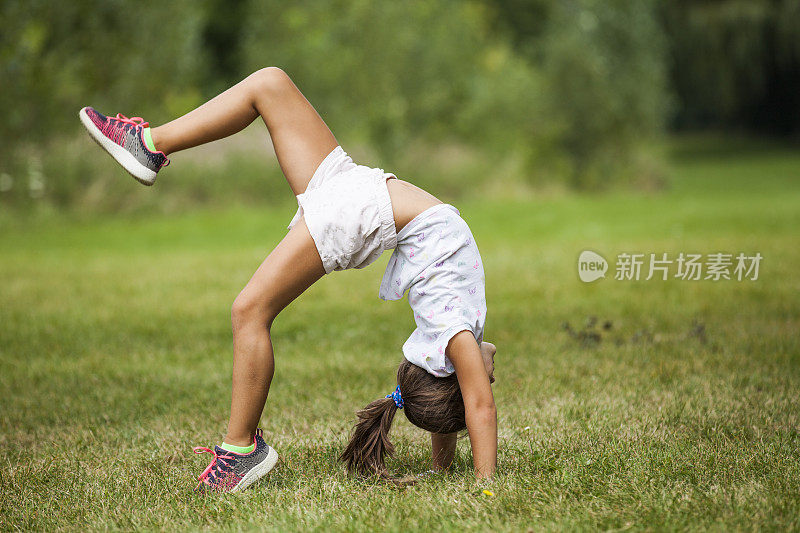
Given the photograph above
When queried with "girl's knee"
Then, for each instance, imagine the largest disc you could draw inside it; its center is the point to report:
(270, 80)
(248, 310)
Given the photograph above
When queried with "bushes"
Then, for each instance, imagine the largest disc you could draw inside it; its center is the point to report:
(59, 56)
(575, 100)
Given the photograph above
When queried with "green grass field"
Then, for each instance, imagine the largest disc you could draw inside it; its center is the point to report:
(115, 348)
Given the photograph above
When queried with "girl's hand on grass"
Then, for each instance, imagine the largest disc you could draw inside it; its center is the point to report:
(443, 450)
(479, 408)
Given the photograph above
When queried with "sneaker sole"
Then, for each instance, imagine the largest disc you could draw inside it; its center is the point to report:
(258, 471)
(141, 173)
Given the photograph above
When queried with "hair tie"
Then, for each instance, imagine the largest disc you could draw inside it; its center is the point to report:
(397, 397)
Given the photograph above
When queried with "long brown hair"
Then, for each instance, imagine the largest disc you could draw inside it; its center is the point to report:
(431, 403)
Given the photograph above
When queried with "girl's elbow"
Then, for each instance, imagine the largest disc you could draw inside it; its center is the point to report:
(483, 410)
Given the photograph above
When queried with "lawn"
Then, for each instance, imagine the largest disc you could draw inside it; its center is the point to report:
(671, 405)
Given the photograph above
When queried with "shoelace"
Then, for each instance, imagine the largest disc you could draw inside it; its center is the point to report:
(133, 121)
(209, 471)
(117, 133)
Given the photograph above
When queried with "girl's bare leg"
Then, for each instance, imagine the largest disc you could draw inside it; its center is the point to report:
(300, 137)
(301, 140)
(292, 267)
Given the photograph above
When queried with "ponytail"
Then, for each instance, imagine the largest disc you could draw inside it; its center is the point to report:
(431, 403)
(370, 443)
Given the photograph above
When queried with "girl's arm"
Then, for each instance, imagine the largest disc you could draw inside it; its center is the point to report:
(443, 449)
(480, 411)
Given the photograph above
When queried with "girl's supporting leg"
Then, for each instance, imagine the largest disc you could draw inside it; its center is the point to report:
(300, 136)
(292, 267)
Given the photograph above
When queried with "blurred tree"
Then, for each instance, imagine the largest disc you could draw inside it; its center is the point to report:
(136, 57)
(589, 92)
(735, 63)
(382, 71)
(525, 20)
(604, 82)
(222, 37)
(574, 89)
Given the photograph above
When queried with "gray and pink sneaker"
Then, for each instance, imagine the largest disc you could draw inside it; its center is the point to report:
(123, 139)
(232, 472)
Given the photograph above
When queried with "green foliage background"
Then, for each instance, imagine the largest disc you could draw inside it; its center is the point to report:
(462, 97)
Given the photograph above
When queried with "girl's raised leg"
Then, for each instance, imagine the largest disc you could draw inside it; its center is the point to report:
(300, 136)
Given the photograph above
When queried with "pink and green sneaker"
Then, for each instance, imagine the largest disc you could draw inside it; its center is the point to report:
(232, 472)
(126, 140)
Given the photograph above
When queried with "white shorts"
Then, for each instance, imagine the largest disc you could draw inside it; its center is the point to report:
(348, 212)
(438, 262)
